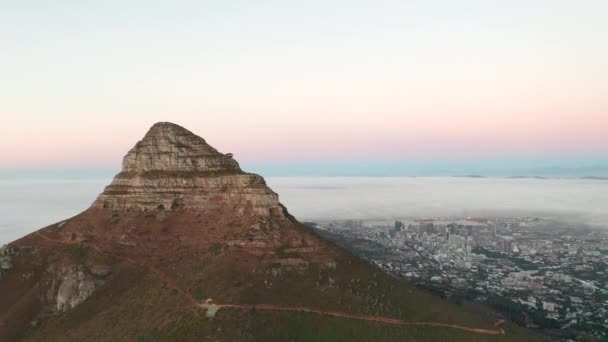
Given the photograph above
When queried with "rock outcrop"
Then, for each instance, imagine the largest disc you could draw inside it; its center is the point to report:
(75, 287)
(6, 259)
(171, 168)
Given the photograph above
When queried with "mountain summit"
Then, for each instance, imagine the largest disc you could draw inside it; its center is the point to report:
(168, 147)
(184, 245)
(172, 168)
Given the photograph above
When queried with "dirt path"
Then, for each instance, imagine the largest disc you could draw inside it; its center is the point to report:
(208, 304)
(369, 318)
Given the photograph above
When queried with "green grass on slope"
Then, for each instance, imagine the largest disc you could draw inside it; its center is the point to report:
(137, 308)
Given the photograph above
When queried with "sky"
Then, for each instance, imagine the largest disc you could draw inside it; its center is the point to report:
(308, 84)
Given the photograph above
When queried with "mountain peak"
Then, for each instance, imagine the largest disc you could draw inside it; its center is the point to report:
(170, 147)
(172, 168)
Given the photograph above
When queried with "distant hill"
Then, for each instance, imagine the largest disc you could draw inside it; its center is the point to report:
(595, 178)
(533, 177)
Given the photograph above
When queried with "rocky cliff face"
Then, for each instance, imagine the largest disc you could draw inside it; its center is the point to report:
(6, 259)
(171, 168)
(75, 287)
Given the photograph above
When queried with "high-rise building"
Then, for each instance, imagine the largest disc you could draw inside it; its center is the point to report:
(399, 226)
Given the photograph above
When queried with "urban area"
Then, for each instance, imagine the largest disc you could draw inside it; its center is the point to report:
(540, 273)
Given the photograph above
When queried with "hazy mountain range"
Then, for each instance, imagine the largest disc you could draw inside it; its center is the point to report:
(587, 169)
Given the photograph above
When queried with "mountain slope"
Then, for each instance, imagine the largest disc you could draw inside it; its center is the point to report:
(184, 245)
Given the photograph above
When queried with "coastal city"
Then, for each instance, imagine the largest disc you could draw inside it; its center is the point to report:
(540, 273)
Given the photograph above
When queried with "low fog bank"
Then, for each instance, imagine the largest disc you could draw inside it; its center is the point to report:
(569, 200)
(26, 206)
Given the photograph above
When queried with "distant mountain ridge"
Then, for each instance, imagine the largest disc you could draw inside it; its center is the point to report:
(335, 169)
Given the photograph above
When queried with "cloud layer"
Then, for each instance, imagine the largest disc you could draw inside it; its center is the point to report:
(27, 206)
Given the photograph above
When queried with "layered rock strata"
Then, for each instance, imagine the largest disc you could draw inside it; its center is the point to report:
(171, 168)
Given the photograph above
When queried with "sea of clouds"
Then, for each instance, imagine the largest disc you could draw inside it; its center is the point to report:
(26, 206)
